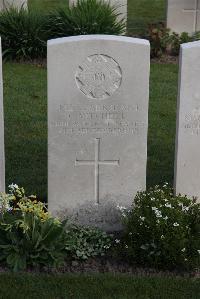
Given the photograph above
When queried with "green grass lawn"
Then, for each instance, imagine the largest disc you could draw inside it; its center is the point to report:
(144, 12)
(102, 286)
(26, 125)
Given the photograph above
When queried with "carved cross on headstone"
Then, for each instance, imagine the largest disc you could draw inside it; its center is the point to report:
(96, 163)
(195, 11)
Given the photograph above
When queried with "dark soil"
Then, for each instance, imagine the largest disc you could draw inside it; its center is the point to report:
(106, 265)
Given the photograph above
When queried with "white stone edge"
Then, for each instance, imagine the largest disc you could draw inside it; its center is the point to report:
(97, 37)
(191, 45)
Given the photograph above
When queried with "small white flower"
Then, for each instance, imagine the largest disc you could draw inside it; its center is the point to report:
(168, 205)
(185, 209)
(162, 237)
(106, 246)
(117, 241)
(13, 187)
(165, 218)
(198, 251)
(121, 208)
(130, 234)
(144, 247)
(154, 209)
(183, 250)
(176, 224)
(142, 218)
(126, 246)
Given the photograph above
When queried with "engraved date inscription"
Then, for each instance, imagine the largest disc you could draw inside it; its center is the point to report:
(98, 119)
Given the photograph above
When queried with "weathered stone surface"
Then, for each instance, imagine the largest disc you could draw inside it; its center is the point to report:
(97, 115)
(5, 4)
(187, 166)
(121, 4)
(183, 15)
(2, 158)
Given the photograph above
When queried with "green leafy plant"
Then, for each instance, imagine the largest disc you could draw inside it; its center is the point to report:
(157, 35)
(165, 42)
(22, 33)
(163, 230)
(86, 17)
(85, 242)
(29, 236)
(174, 40)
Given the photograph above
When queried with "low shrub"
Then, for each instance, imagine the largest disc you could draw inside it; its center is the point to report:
(86, 17)
(85, 242)
(165, 42)
(157, 35)
(22, 33)
(29, 236)
(162, 230)
(175, 40)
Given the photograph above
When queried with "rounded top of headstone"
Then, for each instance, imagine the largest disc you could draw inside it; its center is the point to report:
(97, 37)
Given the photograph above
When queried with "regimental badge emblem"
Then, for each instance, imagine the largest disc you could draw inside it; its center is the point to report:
(98, 77)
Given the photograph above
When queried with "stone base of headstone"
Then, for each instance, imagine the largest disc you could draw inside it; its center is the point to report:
(106, 216)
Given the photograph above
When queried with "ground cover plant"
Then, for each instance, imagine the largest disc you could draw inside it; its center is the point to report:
(162, 230)
(29, 236)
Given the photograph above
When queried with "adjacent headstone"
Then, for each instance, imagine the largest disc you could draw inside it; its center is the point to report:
(120, 4)
(97, 117)
(187, 166)
(2, 157)
(6, 4)
(183, 15)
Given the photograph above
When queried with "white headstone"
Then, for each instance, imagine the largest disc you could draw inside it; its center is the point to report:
(187, 167)
(97, 118)
(6, 4)
(120, 4)
(183, 15)
(2, 157)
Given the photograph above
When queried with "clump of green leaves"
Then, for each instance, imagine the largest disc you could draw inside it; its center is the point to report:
(163, 230)
(86, 17)
(22, 33)
(29, 236)
(85, 242)
(157, 35)
(163, 41)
